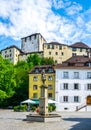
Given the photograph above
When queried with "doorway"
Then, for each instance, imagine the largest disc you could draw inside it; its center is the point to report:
(88, 100)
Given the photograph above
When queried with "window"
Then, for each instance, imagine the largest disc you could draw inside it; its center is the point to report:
(76, 75)
(35, 95)
(65, 75)
(88, 75)
(49, 95)
(5, 51)
(73, 54)
(88, 86)
(50, 70)
(76, 86)
(62, 53)
(49, 77)
(36, 70)
(49, 52)
(80, 49)
(52, 46)
(73, 49)
(76, 99)
(65, 98)
(25, 39)
(34, 36)
(56, 53)
(48, 47)
(60, 47)
(49, 87)
(35, 78)
(10, 50)
(34, 87)
(30, 38)
(10, 55)
(65, 86)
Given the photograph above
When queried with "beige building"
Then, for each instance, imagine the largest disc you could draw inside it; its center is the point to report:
(11, 53)
(61, 52)
(32, 43)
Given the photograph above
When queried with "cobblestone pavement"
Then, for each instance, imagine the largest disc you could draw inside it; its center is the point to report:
(10, 120)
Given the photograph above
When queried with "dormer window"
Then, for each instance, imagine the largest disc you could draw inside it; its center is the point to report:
(50, 70)
(36, 70)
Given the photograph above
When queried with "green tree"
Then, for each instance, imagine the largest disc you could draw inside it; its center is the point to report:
(34, 59)
(21, 77)
(47, 61)
(7, 82)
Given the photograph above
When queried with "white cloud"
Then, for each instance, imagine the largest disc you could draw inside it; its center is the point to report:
(31, 16)
(73, 9)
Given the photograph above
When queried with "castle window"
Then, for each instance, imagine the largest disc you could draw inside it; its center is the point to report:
(73, 49)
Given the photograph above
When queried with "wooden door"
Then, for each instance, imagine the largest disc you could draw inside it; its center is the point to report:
(89, 100)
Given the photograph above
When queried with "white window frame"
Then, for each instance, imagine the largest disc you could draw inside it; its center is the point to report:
(76, 99)
(88, 75)
(76, 75)
(65, 75)
(65, 99)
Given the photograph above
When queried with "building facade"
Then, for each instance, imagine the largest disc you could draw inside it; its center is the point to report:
(35, 81)
(11, 53)
(32, 43)
(61, 52)
(73, 84)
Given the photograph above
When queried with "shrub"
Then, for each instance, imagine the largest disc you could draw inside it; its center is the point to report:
(49, 108)
(20, 108)
(53, 107)
(33, 108)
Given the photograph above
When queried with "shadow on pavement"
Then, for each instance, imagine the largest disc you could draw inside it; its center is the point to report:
(81, 123)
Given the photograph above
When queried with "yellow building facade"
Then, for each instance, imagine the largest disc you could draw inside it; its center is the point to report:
(35, 81)
(61, 52)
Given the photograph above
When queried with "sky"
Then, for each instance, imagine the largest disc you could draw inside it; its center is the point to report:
(63, 21)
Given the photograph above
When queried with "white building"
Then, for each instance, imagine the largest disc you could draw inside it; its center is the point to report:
(11, 53)
(32, 43)
(73, 84)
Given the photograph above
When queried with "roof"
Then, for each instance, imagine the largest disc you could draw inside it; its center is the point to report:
(33, 35)
(56, 43)
(12, 46)
(43, 67)
(79, 62)
(75, 59)
(80, 45)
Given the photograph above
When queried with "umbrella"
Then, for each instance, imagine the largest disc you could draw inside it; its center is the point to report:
(29, 101)
(50, 101)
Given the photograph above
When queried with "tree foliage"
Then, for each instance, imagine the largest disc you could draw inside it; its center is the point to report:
(7, 82)
(14, 79)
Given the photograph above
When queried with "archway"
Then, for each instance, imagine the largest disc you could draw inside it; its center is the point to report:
(88, 101)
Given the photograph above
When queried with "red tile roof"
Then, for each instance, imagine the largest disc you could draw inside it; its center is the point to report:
(80, 45)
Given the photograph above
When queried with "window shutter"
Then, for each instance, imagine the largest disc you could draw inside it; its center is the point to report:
(61, 86)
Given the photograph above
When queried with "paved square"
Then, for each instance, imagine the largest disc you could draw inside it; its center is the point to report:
(10, 120)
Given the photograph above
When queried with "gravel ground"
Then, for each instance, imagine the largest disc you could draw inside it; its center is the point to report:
(10, 120)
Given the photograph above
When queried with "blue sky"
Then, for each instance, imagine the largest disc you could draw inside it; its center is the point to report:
(64, 21)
